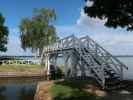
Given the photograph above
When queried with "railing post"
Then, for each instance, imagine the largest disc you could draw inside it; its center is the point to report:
(121, 73)
(103, 80)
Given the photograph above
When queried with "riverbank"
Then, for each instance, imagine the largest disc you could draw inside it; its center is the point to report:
(81, 90)
(21, 70)
(68, 90)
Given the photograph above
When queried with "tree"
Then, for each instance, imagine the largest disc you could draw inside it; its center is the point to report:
(38, 31)
(3, 34)
(116, 13)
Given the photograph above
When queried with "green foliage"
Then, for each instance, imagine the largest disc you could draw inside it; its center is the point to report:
(3, 34)
(38, 31)
(116, 12)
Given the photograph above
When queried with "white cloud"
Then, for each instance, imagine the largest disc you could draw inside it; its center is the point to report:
(14, 44)
(89, 3)
(85, 21)
(64, 31)
(114, 41)
(117, 41)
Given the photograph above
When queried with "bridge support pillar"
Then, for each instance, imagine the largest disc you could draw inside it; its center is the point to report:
(53, 60)
(50, 60)
(47, 64)
(70, 64)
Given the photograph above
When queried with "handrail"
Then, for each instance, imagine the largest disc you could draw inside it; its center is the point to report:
(72, 42)
(95, 67)
(123, 65)
(61, 46)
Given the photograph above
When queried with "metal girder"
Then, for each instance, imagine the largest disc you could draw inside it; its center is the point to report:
(85, 53)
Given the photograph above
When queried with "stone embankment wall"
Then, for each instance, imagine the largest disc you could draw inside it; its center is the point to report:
(42, 92)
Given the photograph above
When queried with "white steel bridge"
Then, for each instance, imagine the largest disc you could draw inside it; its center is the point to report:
(83, 57)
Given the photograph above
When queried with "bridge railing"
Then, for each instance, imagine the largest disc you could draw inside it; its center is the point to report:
(98, 69)
(65, 43)
(95, 56)
(103, 56)
(70, 42)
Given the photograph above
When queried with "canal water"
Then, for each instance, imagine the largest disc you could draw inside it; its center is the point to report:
(127, 60)
(18, 88)
(25, 88)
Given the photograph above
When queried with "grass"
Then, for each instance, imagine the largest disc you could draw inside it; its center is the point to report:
(19, 68)
(71, 90)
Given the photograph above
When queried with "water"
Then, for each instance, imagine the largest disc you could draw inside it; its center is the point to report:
(127, 60)
(24, 88)
(128, 74)
(18, 88)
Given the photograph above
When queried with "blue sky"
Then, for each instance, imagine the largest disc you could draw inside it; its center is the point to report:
(70, 20)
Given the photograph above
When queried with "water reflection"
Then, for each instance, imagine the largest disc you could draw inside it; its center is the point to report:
(25, 94)
(18, 88)
(2, 95)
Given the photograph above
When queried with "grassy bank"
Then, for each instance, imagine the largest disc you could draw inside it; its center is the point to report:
(71, 90)
(81, 90)
(20, 68)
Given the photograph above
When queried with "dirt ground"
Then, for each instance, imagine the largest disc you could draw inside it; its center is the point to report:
(42, 92)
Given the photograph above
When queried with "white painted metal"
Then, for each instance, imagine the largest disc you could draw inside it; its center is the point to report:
(91, 54)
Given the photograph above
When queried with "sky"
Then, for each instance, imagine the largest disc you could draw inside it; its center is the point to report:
(71, 19)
